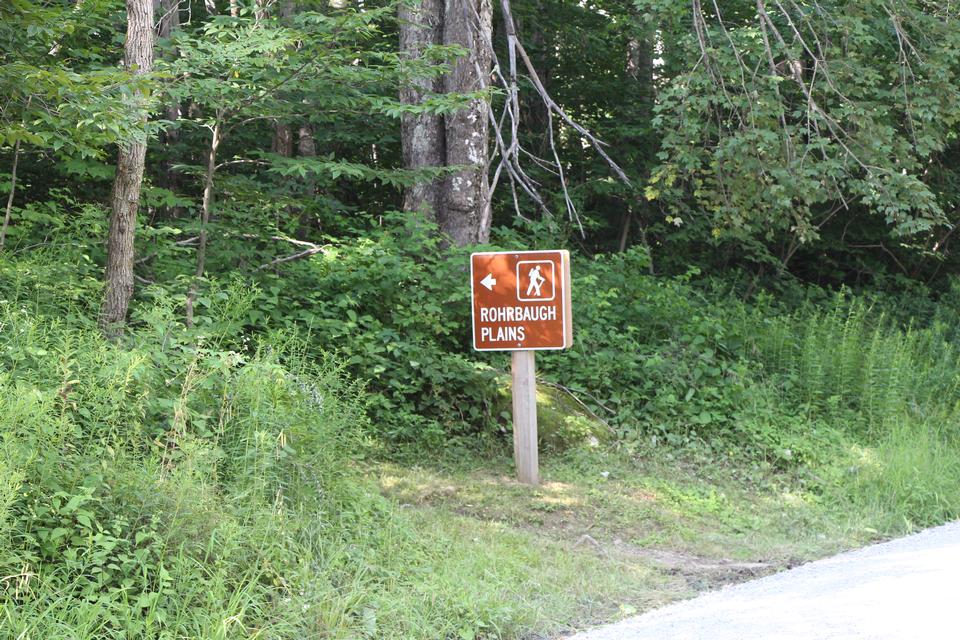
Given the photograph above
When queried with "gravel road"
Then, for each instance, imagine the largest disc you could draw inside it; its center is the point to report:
(904, 589)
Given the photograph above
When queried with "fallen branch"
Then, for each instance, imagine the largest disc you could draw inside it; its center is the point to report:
(311, 249)
(296, 256)
(570, 393)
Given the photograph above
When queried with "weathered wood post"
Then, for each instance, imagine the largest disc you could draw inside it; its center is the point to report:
(525, 454)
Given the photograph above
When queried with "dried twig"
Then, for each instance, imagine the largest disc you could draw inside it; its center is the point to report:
(506, 129)
(592, 413)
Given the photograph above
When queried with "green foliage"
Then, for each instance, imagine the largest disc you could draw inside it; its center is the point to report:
(202, 481)
(174, 487)
(394, 309)
(890, 391)
(160, 488)
(72, 106)
(665, 362)
(776, 149)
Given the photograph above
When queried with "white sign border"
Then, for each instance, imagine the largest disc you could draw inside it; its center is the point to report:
(563, 300)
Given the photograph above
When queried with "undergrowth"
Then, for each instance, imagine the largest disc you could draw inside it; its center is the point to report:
(191, 484)
(200, 482)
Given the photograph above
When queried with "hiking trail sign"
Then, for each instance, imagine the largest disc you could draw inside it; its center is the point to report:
(521, 303)
(521, 300)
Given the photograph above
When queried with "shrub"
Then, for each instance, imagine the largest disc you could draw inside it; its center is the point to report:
(160, 488)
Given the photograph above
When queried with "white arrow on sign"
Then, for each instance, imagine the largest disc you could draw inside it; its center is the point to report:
(489, 281)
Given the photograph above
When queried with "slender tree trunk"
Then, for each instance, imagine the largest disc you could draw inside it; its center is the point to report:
(205, 207)
(55, 49)
(422, 135)
(125, 198)
(537, 116)
(282, 142)
(168, 178)
(464, 215)
(306, 148)
(261, 9)
(13, 189)
(13, 180)
(625, 230)
(640, 69)
(169, 17)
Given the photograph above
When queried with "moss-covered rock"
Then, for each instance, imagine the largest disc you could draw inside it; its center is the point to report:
(562, 422)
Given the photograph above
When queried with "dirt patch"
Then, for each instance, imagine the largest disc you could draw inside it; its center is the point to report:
(672, 529)
(700, 572)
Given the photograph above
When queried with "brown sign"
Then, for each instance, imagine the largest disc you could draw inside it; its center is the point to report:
(521, 300)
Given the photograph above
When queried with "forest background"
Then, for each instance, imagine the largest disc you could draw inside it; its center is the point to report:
(234, 320)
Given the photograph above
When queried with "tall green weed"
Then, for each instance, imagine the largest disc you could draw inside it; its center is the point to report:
(160, 487)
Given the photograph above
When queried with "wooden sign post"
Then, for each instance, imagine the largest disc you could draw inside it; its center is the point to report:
(525, 453)
(521, 303)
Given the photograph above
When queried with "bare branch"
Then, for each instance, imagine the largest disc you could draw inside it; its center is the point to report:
(310, 250)
(506, 128)
(296, 256)
(240, 161)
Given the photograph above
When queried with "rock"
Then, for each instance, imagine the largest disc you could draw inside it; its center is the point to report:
(562, 422)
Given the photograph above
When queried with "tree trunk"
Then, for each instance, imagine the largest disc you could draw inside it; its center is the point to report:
(306, 144)
(536, 112)
(125, 198)
(13, 190)
(55, 49)
(282, 140)
(307, 148)
(422, 135)
(169, 17)
(625, 230)
(458, 203)
(464, 216)
(639, 67)
(168, 178)
(205, 208)
(261, 9)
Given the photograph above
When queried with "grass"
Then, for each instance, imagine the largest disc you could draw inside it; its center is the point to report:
(500, 581)
(186, 492)
(674, 527)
